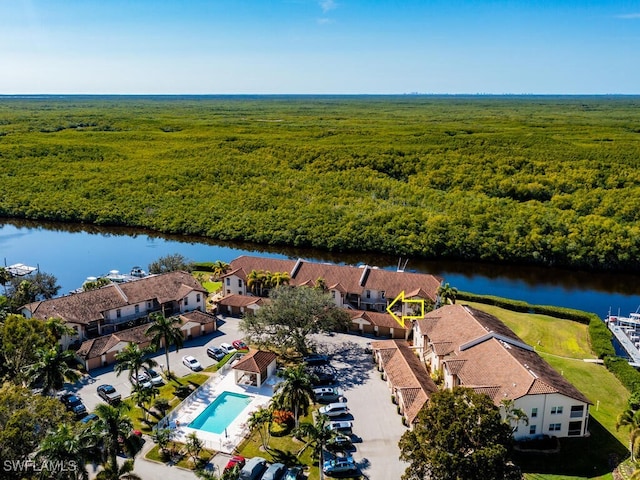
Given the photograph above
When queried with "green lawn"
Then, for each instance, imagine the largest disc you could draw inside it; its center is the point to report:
(564, 344)
(205, 279)
(166, 391)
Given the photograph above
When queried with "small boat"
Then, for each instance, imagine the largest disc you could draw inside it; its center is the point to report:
(137, 272)
(626, 331)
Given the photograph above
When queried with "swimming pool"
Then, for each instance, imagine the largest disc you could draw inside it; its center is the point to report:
(224, 410)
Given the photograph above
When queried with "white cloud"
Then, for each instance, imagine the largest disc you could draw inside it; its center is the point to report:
(629, 16)
(327, 5)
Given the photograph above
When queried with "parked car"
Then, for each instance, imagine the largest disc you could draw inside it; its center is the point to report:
(109, 394)
(275, 471)
(227, 348)
(294, 473)
(89, 418)
(316, 359)
(74, 404)
(344, 426)
(154, 377)
(235, 461)
(322, 375)
(334, 410)
(340, 465)
(253, 469)
(340, 443)
(327, 394)
(142, 380)
(239, 345)
(192, 363)
(215, 353)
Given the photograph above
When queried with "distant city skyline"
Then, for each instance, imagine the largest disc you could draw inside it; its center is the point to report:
(319, 47)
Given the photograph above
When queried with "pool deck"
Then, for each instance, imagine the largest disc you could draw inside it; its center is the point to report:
(237, 430)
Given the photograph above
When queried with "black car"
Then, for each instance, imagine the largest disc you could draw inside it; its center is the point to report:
(108, 394)
(74, 404)
(215, 353)
(322, 375)
(316, 359)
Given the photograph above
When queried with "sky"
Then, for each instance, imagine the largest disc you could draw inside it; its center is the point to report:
(319, 47)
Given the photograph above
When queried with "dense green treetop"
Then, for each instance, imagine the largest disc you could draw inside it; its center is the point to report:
(549, 180)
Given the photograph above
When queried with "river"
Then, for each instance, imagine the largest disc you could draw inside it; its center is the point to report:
(74, 252)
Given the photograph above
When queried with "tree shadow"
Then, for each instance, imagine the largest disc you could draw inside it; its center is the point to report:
(352, 364)
(590, 457)
(288, 458)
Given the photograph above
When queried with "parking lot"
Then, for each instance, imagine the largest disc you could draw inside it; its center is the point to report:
(376, 425)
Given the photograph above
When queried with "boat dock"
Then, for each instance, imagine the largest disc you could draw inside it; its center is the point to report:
(627, 332)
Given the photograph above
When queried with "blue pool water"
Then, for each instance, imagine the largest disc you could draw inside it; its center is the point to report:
(224, 410)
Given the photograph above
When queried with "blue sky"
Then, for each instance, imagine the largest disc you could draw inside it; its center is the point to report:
(323, 47)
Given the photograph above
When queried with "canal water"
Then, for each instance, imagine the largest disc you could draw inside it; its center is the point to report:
(74, 252)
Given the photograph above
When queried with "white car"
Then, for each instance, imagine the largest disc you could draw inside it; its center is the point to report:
(154, 377)
(142, 380)
(334, 410)
(227, 348)
(192, 363)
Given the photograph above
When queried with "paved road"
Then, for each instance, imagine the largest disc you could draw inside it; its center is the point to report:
(377, 427)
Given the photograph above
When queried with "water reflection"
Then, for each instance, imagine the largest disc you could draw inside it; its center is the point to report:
(73, 252)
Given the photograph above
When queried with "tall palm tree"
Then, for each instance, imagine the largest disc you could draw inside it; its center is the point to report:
(295, 392)
(133, 358)
(447, 294)
(67, 447)
(113, 424)
(316, 434)
(219, 268)
(261, 420)
(255, 281)
(165, 331)
(57, 327)
(123, 472)
(630, 418)
(52, 369)
(280, 278)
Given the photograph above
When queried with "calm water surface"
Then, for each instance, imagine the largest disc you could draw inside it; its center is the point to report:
(73, 253)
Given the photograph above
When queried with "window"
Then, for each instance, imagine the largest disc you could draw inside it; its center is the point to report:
(228, 282)
(556, 410)
(577, 411)
(368, 293)
(228, 291)
(118, 313)
(333, 293)
(382, 294)
(534, 412)
(555, 427)
(137, 308)
(198, 298)
(532, 429)
(186, 301)
(575, 429)
(240, 283)
(149, 305)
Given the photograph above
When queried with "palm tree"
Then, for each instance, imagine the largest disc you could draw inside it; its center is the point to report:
(630, 418)
(280, 278)
(68, 447)
(165, 331)
(512, 415)
(52, 369)
(124, 472)
(5, 277)
(261, 420)
(113, 424)
(295, 392)
(143, 395)
(447, 294)
(255, 281)
(58, 328)
(219, 268)
(317, 434)
(132, 358)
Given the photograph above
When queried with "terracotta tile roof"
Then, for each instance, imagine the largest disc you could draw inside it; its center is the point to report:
(376, 318)
(196, 316)
(235, 300)
(255, 361)
(87, 307)
(405, 372)
(102, 345)
(349, 278)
